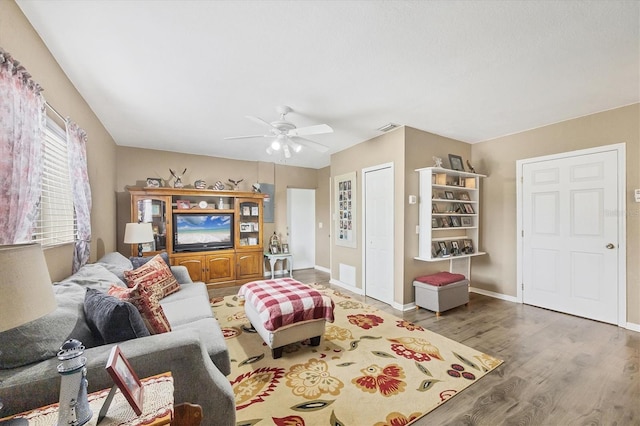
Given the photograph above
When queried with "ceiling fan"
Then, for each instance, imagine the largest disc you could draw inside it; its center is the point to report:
(286, 135)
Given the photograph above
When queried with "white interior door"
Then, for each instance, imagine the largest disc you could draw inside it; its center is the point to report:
(378, 233)
(301, 230)
(570, 241)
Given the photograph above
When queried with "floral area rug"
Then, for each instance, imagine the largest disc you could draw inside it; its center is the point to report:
(371, 368)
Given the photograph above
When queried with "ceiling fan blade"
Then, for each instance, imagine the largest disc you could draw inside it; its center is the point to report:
(248, 136)
(311, 144)
(259, 121)
(311, 130)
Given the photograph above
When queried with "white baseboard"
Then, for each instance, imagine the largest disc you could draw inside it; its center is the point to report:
(322, 269)
(628, 326)
(408, 307)
(351, 288)
(494, 294)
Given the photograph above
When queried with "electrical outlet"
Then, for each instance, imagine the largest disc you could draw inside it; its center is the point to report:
(418, 229)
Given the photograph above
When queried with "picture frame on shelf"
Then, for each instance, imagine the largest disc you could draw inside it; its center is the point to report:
(468, 208)
(435, 223)
(285, 248)
(455, 221)
(434, 208)
(467, 246)
(246, 211)
(455, 248)
(443, 249)
(255, 211)
(154, 182)
(466, 221)
(464, 196)
(246, 227)
(183, 204)
(446, 222)
(434, 249)
(273, 249)
(155, 210)
(126, 379)
(455, 161)
(448, 195)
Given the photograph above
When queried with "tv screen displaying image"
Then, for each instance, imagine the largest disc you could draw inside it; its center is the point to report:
(197, 232)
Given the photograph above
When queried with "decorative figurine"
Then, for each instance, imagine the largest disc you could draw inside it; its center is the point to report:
(256, 187)
(471, 169)
(200, 184)
(74, 405)
(235, 183)
(437, 161)
(178, 183)
(219, 186)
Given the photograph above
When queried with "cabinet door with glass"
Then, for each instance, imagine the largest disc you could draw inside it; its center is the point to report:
(157, 211)
(249, 227)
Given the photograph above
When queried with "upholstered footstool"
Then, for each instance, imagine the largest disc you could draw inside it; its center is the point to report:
(284, 311)
(442, 291)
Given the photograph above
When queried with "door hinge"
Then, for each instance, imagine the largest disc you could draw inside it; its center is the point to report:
(522, 286)
(522, 233)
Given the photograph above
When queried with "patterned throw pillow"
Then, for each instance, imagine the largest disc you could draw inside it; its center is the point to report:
(154, 275)
(148, 305)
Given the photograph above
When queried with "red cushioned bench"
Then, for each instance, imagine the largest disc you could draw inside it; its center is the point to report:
(442, 291)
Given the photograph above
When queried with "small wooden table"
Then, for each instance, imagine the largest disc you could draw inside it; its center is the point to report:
(157, 406)
(273, 258)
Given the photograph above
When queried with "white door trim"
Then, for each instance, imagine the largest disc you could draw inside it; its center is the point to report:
(621, 212)
(363, 221)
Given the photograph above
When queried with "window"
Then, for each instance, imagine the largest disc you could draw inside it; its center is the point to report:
(56, 220)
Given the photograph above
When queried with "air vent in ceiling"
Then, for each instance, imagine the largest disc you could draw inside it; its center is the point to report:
(387, 127)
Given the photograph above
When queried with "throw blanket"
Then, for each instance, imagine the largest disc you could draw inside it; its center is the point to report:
(286, 301)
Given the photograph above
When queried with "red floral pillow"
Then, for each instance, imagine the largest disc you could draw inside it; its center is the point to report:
(154, 275)
(147, 303)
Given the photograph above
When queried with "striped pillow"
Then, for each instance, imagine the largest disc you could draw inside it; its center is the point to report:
(154, 275)
(147, 304)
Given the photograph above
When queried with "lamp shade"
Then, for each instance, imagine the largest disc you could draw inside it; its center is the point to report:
(136, 233)
(26, 292)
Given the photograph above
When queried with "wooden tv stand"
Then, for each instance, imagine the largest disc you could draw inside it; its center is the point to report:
(241, 263)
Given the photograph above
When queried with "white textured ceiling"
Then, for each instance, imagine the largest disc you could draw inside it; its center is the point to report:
(182, 75)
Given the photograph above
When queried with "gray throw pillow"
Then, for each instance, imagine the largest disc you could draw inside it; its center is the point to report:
(114, 320)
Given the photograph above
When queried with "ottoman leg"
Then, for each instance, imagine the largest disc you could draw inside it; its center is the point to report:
(276, 352)
(315, 341)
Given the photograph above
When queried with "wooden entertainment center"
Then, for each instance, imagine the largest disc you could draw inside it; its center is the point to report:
(235, 260)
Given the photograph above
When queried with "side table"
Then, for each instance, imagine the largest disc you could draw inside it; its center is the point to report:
(273, 258)
(157, 407)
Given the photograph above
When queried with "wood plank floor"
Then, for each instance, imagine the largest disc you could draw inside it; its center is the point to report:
(558, 369)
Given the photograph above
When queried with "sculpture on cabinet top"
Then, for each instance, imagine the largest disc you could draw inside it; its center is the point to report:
(437, 161)
(178, 178)
(235, 183)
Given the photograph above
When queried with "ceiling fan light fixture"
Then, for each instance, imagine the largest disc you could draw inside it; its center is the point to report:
(269, 150)
(275, 145)
(295, 146)
(287, 152)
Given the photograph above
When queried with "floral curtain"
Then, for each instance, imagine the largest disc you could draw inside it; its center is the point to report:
(22, 120)
(77, 149)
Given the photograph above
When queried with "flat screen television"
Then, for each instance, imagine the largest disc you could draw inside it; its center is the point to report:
(202, 231)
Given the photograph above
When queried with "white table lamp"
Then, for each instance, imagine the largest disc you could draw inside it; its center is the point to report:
(138, 233)
(26, 292)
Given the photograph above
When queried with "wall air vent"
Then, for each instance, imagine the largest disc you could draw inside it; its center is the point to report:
(387, 127)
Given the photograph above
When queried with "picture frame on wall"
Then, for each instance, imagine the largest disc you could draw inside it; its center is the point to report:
(345, 206)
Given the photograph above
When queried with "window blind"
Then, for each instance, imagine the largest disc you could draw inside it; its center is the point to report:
(56, 222)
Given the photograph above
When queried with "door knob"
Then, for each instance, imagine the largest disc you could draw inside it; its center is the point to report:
(610, 246)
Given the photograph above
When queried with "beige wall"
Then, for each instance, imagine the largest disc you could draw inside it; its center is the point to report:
(323, 216)
(497, 158)
(135, 165)
(387, 148)
(421, 147)
(18, 37)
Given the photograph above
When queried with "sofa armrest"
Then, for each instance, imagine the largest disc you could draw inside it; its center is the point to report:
(181, 273)
(196, 378)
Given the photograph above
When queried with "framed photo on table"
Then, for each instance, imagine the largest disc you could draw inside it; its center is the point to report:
(126, 379)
